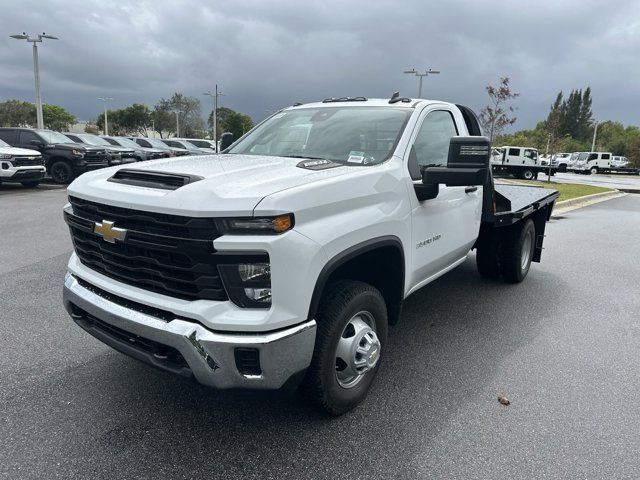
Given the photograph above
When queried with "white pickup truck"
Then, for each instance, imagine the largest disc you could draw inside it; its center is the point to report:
(283, 260)
(20, 165)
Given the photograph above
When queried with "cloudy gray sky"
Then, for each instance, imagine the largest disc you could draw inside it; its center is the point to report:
(269, 54)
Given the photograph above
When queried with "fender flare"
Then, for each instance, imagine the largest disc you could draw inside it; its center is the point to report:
(350, 253)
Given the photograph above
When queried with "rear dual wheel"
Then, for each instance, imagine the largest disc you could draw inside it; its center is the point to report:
(508, 253)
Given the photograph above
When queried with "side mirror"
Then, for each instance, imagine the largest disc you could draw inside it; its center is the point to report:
(467, 164)
(226, 139)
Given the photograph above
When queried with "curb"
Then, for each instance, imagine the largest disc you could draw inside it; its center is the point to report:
(574, 203)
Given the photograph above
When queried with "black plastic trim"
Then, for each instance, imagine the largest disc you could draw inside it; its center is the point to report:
(349, 254)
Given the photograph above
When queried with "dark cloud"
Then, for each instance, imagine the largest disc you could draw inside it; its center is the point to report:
(268, 54)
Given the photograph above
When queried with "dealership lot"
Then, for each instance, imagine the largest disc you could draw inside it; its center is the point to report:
(562, 346)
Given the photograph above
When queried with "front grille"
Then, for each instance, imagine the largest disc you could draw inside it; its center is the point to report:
(181, 268)
(98, 156)
(27, 161)
(147, 222)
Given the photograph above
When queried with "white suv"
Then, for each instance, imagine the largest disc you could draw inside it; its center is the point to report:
(20, 165)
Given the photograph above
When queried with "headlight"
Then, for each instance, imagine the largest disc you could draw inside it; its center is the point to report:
(78, 153)
(5, 156)
(247, 284)
(258, 225)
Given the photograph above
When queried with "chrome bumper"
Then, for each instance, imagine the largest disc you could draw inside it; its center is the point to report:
(208, 356)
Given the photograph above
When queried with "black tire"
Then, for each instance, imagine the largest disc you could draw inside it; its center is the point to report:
(594, 171)
(31, 184)
(487, 254)
(515, 260)
(528, 174)
(61, 172)
(340, 303)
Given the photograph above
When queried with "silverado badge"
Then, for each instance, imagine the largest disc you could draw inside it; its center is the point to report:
(108, 232)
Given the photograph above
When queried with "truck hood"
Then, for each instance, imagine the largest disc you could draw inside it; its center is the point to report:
(231, 185)
(19, 151)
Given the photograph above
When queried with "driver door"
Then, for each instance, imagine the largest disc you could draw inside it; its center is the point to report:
(443, 228)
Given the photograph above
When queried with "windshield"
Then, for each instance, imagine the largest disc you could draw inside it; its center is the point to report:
(201, 143)
(583, 156)
(188, 145)
(157, 143)
(354, 135)
(125, 142)
(54, 137)
(4, 144)
(93, 139)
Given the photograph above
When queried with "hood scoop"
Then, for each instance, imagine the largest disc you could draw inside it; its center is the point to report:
(152, 179)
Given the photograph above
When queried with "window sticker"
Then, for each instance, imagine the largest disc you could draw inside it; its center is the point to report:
(355, 157)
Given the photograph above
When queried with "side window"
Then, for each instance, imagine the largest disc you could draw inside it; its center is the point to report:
(143, 143)
(606, 156)
(514, 151)
(74, 138)
(592, 156)
(8, 136)
(26, 137)
(431, 145)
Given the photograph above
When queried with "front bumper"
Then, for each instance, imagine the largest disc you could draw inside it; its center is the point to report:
(182, 346)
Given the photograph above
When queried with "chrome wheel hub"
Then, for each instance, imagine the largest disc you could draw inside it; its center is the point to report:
(358, 350)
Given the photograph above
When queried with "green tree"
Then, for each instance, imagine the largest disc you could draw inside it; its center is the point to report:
(189, 115)
(114, 118)
(56, 117)
(231, 121)
(16, 113)
(498, 115)
(136, 118)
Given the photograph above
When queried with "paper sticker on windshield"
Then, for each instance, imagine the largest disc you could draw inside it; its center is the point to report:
(355, 157)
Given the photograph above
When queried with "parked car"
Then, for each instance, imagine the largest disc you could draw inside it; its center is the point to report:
(117, 155)
(20, 165)
(560, 160)
(63, 159)
(618, 161)
(156, 143)
(190, 147)
(593, 162)
(201, 143)
(141, 153)
(286, 268)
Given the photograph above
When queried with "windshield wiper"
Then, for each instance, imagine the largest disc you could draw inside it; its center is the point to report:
(306, 157)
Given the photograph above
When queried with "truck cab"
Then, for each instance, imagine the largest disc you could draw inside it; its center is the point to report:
(282, 261)
(593, 162)
(520, 162)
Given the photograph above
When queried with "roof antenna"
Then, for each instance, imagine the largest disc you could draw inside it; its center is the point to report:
(394, 96)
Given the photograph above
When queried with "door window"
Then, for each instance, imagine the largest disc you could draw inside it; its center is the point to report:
(432, 142)
(606, 156)
(514, 151)
(26, 137)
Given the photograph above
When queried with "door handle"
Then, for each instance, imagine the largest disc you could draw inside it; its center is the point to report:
(470, 189)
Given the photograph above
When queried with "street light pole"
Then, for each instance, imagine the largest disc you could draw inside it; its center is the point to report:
(106, 120)
(595, 134)
(421, 75)
(36, 69)
(215, 114)
(177, 112)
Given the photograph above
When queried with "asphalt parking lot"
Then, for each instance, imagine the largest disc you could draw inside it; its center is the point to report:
(627, 183)
(563, 346)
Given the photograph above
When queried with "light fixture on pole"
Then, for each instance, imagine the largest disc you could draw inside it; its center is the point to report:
(215, 114)
(106, 121)
(36, 69)
(421, 75)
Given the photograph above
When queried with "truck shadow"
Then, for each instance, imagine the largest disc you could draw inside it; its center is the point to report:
(443, 354)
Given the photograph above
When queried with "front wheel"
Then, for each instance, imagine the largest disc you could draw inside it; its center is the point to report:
(61, 172)
(352, 330)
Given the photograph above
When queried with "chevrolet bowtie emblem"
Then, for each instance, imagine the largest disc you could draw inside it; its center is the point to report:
(108, 232)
